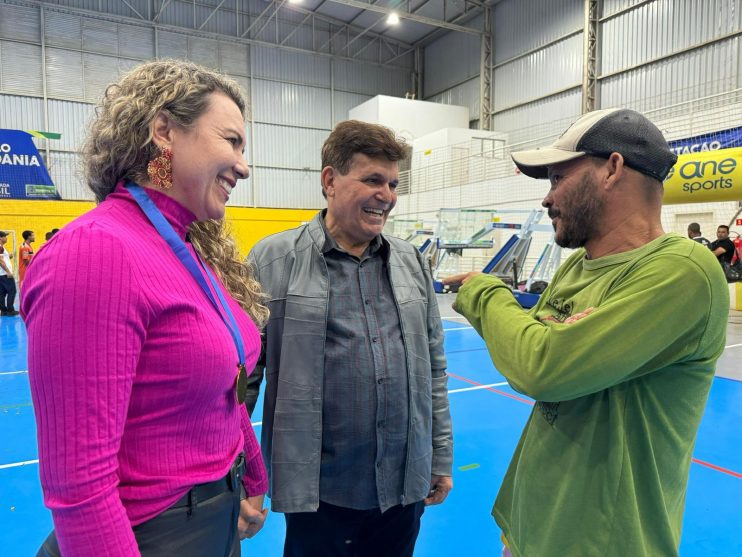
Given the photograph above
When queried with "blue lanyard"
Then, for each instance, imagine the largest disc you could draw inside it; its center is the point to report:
(181, 251)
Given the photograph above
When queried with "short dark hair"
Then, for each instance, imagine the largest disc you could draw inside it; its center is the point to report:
(27, 234)
(353, 136)
(3, 234)
(694, 227)
(722, 226)
(48, 236)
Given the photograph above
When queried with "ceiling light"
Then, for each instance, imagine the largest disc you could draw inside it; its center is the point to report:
(294, 1)
(393, 19)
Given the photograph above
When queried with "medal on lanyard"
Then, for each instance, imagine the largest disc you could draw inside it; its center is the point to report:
(181, 251)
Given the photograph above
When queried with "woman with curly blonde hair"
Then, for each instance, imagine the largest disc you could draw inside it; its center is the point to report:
(142, 325)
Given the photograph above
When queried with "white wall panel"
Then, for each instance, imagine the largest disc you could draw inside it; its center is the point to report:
(136, 42)
(21, 113)
(223, 22)
(234, 58)
(64, 74)
(82, 4)
(699, 73)
(126, 64)
(522, 25)
(274, 63)
(172, 45)
(662, 27)
(287, 32)
(450, 60)
(120, 8)
(85, 54)
(71, 119)
(300, 189)
(466, 94)
(178, 13)
(543, 119)
(99, 72)
(343, 102)
(100, 36)
(285, 103)
(63, 30)
(283, 146)
(542, 72)
(20, 22)
(20, 68)
(204, 51)
(66, 172)
(371, 80)
(612, 6)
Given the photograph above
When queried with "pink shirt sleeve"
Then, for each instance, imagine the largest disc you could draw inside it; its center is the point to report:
(87, 318)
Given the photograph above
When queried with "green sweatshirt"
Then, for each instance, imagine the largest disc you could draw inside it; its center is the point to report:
(601, 468)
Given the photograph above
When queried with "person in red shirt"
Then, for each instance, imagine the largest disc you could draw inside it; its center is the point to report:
(25, 254)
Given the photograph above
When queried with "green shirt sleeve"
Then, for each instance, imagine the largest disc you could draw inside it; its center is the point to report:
(634, 328)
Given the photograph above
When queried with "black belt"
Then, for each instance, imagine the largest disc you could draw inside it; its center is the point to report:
(202, 492)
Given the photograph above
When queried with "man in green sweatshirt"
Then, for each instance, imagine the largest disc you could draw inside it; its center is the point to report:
(619, 352)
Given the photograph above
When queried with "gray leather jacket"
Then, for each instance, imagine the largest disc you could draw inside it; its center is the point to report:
(292, 270)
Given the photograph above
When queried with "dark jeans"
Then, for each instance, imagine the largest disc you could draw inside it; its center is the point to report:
(339, 532)
(7, 293)
(192, 527)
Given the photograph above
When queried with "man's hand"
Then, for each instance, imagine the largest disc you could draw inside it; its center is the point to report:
(461, 278)
(252, 516)
(571, 319)
(439, 488)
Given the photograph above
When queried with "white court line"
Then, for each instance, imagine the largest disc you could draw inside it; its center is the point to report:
(26, 462)
(457, 329)
(478, 387)
(256, 424)
(15, 464)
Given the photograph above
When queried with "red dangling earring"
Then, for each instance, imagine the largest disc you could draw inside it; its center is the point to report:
(160, 169)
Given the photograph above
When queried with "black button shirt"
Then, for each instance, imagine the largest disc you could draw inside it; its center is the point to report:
(365, 393)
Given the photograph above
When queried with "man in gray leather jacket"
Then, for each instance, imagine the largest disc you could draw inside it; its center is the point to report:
(356, 426)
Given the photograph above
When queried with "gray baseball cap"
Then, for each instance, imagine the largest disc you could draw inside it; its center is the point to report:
(600, 133)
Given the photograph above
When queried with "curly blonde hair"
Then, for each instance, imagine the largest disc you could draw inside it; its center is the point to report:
(214, 241)
(119, 145)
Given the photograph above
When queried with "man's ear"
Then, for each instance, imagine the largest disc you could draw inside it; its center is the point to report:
(614, 170)
(162, 129)
(328, 181)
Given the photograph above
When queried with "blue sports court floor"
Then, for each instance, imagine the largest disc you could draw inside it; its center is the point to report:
(487, 416)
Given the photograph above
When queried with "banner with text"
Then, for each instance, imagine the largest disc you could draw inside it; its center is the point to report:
(23, 174)
(705, 176)
(725, 139)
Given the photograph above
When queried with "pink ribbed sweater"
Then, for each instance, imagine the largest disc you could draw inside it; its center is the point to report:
(132, 376)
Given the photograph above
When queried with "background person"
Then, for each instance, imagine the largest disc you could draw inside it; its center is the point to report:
(7, 279)
(619, 367)
(694, 233)
(723, 247)
(25, 254)
(356, 423)
(133, 343)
